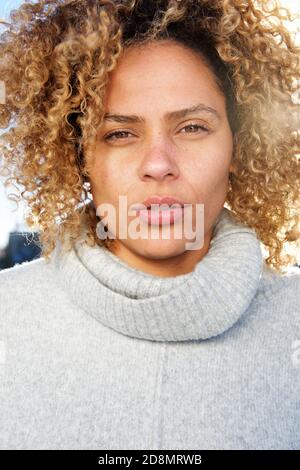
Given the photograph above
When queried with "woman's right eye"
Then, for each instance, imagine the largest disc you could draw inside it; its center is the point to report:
(113, 135)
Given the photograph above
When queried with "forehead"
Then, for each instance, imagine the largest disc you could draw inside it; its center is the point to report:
(160, 69)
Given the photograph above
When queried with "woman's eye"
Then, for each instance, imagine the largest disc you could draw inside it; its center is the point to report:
(121, 135)
(196, 126)
(113, 135)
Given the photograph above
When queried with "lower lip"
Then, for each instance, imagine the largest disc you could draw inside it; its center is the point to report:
(157, 217)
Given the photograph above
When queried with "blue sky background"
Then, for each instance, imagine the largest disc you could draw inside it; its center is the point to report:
(7, 5)
(14, 220)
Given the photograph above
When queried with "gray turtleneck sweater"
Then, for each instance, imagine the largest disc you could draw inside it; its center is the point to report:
(97, 355)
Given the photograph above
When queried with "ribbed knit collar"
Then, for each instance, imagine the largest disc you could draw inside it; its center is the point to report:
(198, 305)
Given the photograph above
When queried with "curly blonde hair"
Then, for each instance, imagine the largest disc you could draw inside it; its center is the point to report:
(56, 57)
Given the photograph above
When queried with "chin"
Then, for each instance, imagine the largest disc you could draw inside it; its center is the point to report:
(159, 249)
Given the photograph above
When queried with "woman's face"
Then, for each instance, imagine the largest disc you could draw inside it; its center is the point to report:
(183, 156)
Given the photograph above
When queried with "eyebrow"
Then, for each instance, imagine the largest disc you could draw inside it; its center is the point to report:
(173, 115)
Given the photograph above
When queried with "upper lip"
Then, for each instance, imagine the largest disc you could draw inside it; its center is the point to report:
(159, 200)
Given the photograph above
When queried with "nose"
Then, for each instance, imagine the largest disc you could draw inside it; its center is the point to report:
(159, 162)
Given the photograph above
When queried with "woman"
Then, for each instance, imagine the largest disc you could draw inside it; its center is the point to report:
(130, 342)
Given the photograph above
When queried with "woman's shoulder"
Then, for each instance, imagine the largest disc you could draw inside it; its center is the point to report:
(281, 292)
(276, 283)
(290, 279)
(24, 281)
(22, 272)
(30, 298)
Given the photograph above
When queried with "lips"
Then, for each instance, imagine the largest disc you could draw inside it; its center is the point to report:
(166, 200)
(160, 210)
(169, 200)
(161, 217)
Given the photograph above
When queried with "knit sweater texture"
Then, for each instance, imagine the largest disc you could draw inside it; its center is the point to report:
(95, 354)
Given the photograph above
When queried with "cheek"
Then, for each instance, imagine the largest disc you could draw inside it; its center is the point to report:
(210, 169)
(212, 159)
(108, 181)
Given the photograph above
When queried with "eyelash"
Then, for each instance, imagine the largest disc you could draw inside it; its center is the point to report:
(113, 134)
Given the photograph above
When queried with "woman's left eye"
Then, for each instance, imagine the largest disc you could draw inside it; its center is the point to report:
(197, 126)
